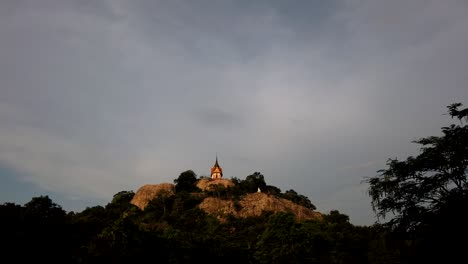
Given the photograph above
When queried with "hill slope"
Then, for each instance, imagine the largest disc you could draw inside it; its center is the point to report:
(251, 204)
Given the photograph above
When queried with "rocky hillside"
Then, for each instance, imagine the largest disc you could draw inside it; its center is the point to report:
(148, 192)
(251, 204)
(208, 184)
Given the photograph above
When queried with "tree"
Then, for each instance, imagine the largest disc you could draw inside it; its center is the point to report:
(299, 199)
(43, 210)
(122, 197)
(278, 244)
(419, 188)
(12, 229)
(336, 217)
(186, 182)
(120, 204)
(45, 228)
(159, 206)
(270, 189)
(253, 182)
(427, 194)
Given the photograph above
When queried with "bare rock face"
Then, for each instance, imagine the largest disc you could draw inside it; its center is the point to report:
(148, 192)
(209, 184)
(254, 204)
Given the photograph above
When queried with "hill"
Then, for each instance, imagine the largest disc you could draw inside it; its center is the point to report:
(216, 201)
(254, 204)
(227, 221)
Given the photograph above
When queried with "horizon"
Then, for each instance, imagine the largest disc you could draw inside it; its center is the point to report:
(98, 97)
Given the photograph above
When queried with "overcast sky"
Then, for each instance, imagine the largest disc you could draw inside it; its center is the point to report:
(97, 97)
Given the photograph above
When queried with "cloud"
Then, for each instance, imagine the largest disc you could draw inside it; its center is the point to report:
(102, 96)
(217, 117)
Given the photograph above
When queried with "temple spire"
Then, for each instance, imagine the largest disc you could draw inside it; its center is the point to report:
(216, 171)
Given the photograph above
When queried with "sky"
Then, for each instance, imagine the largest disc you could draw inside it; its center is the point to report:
(97, 97)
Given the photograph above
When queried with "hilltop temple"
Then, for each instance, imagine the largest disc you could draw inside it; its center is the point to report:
(216, 171)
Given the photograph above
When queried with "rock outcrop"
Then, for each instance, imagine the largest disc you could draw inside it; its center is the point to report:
(209, 184)
(148, 192)
(253, 204)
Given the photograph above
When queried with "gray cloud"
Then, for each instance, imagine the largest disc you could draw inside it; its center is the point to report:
(217, 117)
(102, 96)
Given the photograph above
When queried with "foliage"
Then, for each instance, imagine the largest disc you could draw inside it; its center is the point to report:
(270, 189)
(421, 187)
(171, 229)
(180, 233)
(299, 199)
(427, 195)
(122, 197)
(254, 182)
(42, 210)
(186, 182)
(284, 241)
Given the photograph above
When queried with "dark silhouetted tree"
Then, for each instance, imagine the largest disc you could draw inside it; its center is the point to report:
(298, 199)
(46, 230)
(186, 182)
(417, 187)
(42, 210)
(253, 182)
(427, 194)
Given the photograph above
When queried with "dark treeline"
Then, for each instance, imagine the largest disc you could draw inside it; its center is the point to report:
(425, 198)
(174, 230)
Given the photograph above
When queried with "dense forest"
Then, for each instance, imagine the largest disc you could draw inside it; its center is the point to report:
(420, 202)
